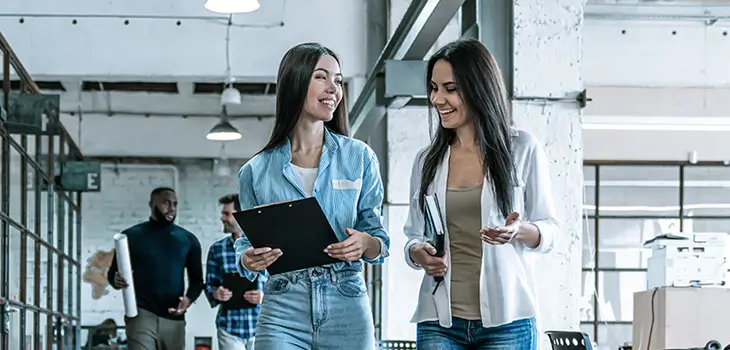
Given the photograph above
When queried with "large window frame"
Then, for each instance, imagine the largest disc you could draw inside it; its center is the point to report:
(40, 278)
(593, 217)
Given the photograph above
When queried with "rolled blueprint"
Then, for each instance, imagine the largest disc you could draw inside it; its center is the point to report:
(125, 270)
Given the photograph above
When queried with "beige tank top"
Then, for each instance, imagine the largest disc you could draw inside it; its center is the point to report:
(463, 221)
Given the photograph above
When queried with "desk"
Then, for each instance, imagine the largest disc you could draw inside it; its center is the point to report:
(683, 317)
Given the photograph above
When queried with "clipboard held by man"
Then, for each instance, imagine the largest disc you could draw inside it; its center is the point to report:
(238, 286)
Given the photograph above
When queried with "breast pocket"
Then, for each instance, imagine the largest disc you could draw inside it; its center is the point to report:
(347, 184)
(345, 195)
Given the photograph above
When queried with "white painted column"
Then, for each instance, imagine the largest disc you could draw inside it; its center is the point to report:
(547, 48)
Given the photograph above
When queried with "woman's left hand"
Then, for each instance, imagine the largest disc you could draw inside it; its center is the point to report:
(352, 248)
(503, 234)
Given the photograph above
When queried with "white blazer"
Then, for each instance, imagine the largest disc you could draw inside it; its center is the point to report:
(506, 286)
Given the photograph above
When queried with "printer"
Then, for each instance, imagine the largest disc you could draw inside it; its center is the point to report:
(687, 259)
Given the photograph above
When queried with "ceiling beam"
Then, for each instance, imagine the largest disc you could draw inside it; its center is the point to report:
(151, 78)
(419, 29)
(139, 103)
(707, 12)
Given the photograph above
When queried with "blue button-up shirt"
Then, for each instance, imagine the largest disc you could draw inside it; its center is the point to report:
(221, 261)
(348, 188)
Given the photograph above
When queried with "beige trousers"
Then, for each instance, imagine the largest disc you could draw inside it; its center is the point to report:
(148, 331)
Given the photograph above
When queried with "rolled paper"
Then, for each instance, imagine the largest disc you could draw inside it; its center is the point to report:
(125, 270)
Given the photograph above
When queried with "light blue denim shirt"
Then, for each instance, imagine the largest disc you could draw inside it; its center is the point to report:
(348, 187)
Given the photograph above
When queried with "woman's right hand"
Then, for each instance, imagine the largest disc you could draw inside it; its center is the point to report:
(258, 259)
(423, 254)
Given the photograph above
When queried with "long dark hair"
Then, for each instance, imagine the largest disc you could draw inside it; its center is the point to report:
(481, 88)
(292, 84)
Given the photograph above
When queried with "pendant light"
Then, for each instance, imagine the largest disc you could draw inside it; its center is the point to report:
(223, 131)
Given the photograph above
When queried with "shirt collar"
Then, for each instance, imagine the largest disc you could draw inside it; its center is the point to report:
(330, 144)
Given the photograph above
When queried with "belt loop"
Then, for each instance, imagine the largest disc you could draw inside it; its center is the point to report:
(332, 273)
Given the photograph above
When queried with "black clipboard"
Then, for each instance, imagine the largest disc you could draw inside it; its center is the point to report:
(238, 286)
(299, 228)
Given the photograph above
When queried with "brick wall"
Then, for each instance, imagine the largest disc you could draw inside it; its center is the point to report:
(123, 202)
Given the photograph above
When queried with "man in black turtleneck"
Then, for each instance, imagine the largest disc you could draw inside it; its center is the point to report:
(160, 252)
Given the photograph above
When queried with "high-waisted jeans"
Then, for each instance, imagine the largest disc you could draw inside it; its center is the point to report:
(467, 335)
(316, 308)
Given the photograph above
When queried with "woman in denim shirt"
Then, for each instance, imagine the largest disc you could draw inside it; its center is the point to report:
(310, 154)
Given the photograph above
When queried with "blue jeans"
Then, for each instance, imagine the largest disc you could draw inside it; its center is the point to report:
(316, 308)
(465, 334)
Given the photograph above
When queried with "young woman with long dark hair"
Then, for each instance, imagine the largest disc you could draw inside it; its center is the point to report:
(493, 185)
(310, 154)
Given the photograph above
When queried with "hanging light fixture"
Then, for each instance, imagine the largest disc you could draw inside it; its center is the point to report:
(221, 165)
(223, 131)
(230, 95)
(232, 6)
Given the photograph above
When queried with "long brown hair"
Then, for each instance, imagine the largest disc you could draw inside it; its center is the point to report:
(292, 85)
(481, 88)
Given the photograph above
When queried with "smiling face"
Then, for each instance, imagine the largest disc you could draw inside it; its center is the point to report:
(325, 90)
(444, 96)
(230, 225)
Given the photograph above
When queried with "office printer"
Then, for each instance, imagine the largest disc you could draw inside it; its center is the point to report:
(687, 259)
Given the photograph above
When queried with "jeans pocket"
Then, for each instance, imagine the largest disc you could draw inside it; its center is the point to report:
(351, 286)
(277, 285)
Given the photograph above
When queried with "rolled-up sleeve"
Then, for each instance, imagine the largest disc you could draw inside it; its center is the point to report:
(415, 225)
(539, 202)
(247, 198)
(369, 208)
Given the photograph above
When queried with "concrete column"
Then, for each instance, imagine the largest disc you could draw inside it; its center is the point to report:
(547, 53)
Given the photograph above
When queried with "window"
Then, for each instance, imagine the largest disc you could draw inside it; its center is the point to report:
(624, 206)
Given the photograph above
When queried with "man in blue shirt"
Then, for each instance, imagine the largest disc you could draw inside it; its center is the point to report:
(236, 327)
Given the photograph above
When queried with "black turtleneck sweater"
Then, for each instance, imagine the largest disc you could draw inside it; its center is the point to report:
(159, 253)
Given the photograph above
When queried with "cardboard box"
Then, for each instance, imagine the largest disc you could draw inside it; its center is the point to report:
(684, 317)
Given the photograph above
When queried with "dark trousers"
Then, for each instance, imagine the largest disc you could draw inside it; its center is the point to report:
(148, 331)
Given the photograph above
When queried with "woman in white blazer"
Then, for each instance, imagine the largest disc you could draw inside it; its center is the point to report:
(492, 184)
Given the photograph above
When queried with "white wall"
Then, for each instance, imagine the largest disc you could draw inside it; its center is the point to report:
(637, 69)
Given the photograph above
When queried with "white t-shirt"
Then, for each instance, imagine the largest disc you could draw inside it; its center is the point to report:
(307, 176)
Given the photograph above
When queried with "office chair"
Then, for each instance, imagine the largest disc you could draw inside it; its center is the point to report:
(396, 345)
(569, 340)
